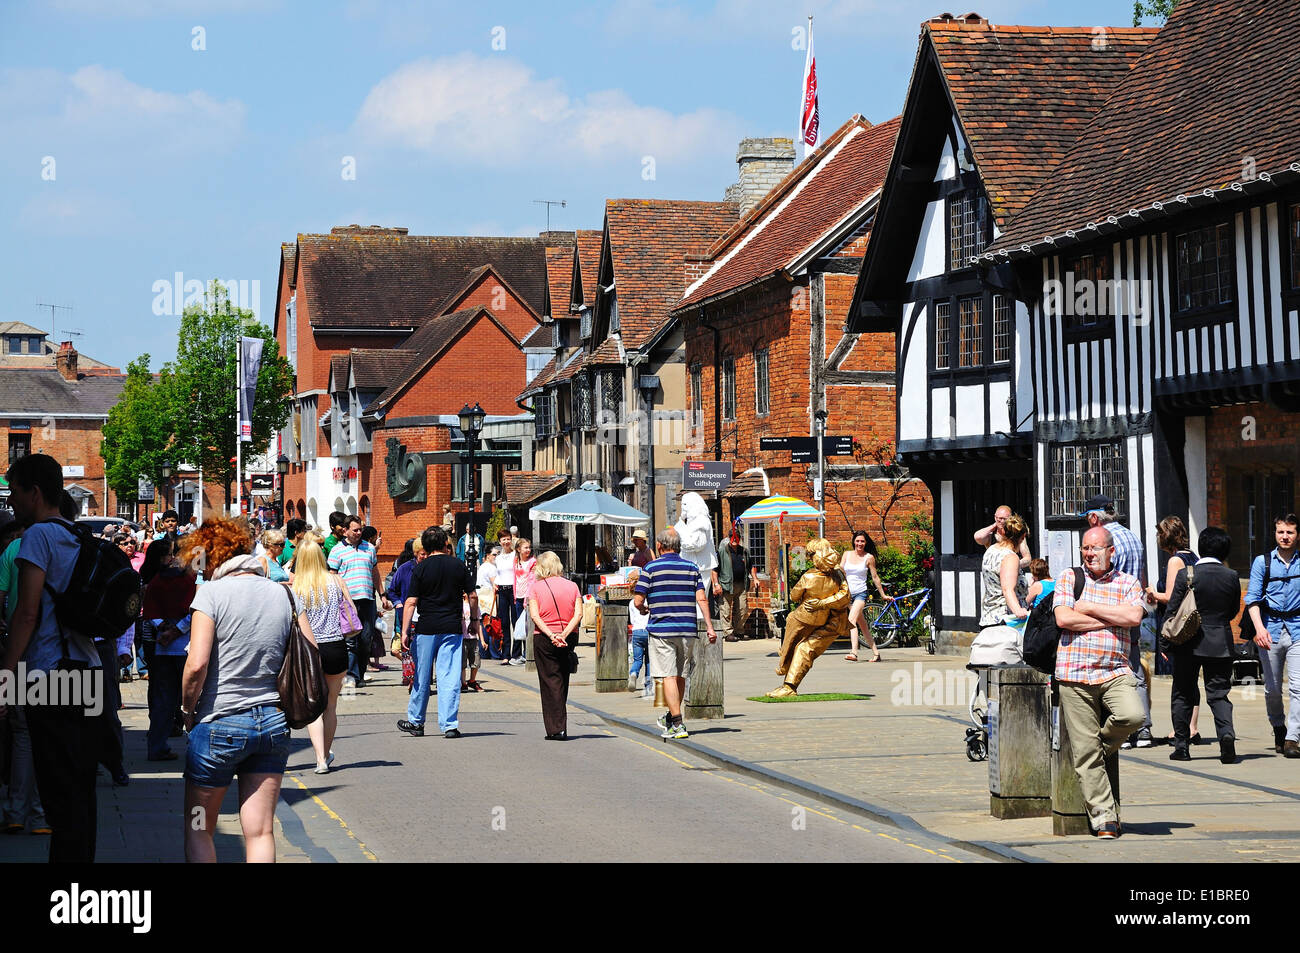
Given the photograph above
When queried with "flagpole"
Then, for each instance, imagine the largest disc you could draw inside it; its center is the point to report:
(239, 450)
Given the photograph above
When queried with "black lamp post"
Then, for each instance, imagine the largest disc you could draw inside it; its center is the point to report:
(471, 425)
(282, 467)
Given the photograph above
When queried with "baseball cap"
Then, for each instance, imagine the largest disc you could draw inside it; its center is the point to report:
(1096, 504)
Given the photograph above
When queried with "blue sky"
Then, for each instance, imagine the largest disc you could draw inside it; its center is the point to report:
(167, 158)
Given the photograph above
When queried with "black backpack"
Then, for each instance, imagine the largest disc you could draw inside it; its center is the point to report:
(102, 597)
(1041, 633)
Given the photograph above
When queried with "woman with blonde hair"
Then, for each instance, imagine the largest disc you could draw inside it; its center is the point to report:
(525, 566)
(321, 596)
(241, 627)
(555, 605)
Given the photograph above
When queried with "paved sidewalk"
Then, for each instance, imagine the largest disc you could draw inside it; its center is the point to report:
(142, 822)
(901, 755)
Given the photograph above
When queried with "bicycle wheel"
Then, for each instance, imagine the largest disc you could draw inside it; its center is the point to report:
(888, 629)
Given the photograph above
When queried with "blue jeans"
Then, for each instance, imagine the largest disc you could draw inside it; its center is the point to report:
(164, 698)
(254, 741)
(1285, 650)
(359, 644)
(447, 650)
(640, 651)
(1144, 691)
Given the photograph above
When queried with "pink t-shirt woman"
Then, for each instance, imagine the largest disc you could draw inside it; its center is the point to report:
(524, 566)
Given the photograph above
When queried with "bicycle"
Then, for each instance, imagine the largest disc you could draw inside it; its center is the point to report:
(886, 621)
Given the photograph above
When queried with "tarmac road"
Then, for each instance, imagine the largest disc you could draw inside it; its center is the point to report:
(503, 793)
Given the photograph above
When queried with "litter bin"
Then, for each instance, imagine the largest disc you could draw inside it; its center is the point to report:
(611, 646)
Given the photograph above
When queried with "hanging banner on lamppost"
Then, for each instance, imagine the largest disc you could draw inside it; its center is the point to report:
(251, 364)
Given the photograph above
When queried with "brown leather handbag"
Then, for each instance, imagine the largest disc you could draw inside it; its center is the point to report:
(301, 682)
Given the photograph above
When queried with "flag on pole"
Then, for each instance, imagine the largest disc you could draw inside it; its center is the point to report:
(251, 366)
(809, 129)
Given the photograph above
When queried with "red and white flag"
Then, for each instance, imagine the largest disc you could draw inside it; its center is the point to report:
(809, 128)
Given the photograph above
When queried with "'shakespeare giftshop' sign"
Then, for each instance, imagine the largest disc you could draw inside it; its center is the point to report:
(706, 475)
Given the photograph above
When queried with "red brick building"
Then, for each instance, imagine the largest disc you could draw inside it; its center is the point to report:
(765, 348)
(61, 411)
(390, 336)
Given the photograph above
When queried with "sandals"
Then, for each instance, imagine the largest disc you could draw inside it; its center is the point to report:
(851, 657)
(876, 659)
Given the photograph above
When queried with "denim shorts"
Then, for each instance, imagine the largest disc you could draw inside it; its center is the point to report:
(255, 741)
(858, 597)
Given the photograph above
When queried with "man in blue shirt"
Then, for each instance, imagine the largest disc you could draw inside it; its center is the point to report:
(671, 590)
(1130, 558)
(1275, 610)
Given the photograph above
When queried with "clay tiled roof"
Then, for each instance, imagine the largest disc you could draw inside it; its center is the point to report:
(525, 486)
(607, 353)
(818, 195)
(559, 280)
(587, 264)
(1218, 85)
(543, 378)
(377, 368)
(1024, 93)
(747, 484)
(384, 278)
(539, 336)
(569, 368)
(339, 371)
(649, 240)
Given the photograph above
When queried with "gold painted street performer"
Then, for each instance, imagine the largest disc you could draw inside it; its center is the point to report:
(821, 618)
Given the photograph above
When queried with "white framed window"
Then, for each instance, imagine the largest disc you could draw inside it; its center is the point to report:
(762, 399)
(291, 332)
(729, 388)
(756, 543)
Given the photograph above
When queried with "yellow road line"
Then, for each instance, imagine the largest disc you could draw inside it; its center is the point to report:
(347, 830)
(941, 852)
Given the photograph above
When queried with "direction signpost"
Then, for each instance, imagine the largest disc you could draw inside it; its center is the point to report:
(804, 449)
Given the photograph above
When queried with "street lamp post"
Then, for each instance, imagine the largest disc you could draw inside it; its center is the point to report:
(160, 496)
(471, 425)
(282, 467)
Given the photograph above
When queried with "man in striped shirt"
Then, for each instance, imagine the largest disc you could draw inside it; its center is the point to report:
(1100, 706)
(670, 589)
(355, 563)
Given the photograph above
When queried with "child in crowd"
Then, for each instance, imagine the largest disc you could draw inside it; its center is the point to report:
(470, 651)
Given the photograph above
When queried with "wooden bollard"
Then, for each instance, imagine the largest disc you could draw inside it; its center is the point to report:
(704, 687)
(1020, 743)
(1069, 811)
(611, 648)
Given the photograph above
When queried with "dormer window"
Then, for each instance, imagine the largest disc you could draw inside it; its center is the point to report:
(613, 315)
(586, 324)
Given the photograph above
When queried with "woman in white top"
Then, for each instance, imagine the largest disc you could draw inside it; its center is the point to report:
(856, 565)
(321, 596)
(1004, 588)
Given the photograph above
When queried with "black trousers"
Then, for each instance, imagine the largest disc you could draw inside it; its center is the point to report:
(65, 749)
(112, 742)
(553, 677)
(1187, 695)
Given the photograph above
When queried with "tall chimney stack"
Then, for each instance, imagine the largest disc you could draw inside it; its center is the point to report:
(66, 361)
(763, 163)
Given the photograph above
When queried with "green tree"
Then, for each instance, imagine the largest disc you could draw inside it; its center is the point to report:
(204, 385)
(140, 434)
(1156, 9)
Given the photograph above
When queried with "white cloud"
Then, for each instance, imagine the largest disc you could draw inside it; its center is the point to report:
(496, 111)
(87, 115)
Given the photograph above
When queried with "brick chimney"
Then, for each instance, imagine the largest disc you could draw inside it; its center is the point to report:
(969, 19)
(66, 361)
(368, 230)
(763, 163)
